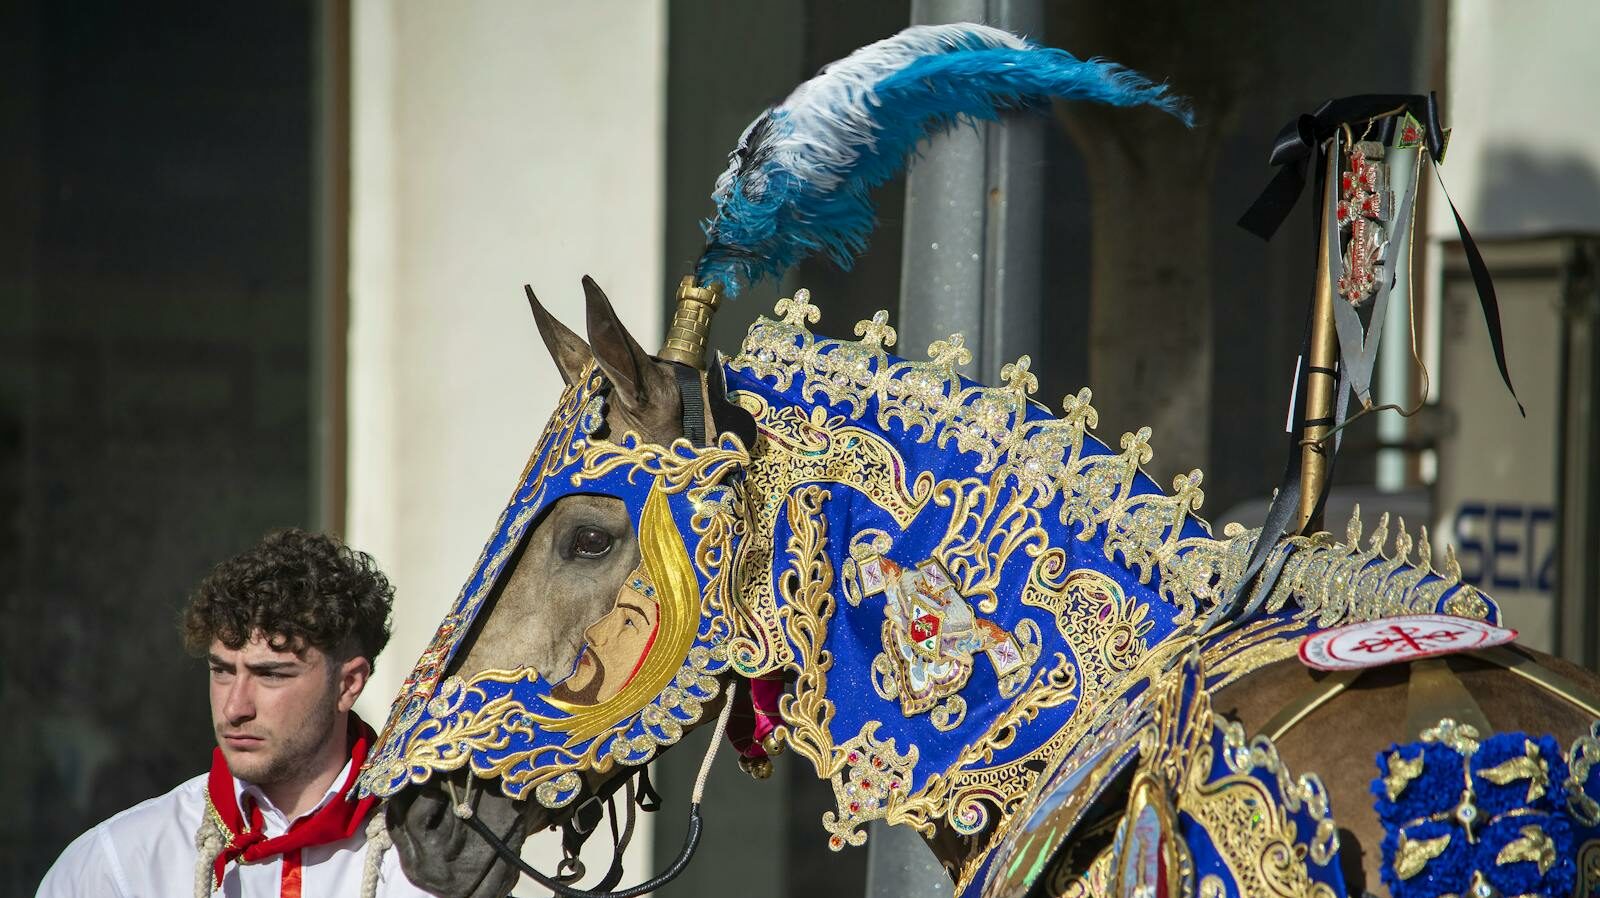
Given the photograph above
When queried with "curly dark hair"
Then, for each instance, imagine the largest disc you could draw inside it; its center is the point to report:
(300, 589)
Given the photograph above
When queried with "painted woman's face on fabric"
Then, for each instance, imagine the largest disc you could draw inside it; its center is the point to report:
(615, 646)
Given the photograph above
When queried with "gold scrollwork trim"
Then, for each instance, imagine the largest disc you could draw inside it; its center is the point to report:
(796, 448)
(1249, 827)
(1048, 463)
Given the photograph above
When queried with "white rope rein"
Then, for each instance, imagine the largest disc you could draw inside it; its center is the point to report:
(378, 841)
(210, 841)
(716, 742)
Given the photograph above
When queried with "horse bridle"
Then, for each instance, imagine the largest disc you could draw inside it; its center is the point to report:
(691, 839)
(701, 413)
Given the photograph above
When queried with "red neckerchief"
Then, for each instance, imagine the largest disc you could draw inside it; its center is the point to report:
(338, 819)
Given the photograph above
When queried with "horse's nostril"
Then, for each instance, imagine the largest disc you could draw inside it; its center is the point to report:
(428, 809)
(439, 814)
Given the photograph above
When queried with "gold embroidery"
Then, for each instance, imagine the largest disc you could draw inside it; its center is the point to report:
(667, 561)
(964, 796)
(871, 776)
(1529, 767)
(1031, 466)
(1249, 648)
(982, 535)
(1582, 756)
(716, 520)
(1533, 846)
(808, 606)
(1105, 628)
(1588, 868)
(1337, 582)
(1462, 737)
(1305, 791)
(1046, 461)
(1401, 773)
(1255, 843)
(1411, 855)
(1045, 458)
(676, 467)
(796, 448)
(450, 744)
(948, 715)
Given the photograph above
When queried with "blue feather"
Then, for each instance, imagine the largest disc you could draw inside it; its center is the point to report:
(800, 181)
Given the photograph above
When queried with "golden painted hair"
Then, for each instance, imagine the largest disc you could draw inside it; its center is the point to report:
(666, 561)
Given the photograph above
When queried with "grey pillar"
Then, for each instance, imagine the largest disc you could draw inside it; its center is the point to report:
(973, 217)
(970, 266)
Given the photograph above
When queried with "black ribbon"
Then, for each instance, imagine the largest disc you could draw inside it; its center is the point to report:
(1299, 142)
(1486, 298)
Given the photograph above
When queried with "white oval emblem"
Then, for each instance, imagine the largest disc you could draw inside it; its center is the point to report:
(1392, 640)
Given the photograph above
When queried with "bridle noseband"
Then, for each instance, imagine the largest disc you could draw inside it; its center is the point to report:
(691, 839)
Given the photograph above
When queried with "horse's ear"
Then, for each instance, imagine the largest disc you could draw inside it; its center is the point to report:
(634, 375)
(571, 354)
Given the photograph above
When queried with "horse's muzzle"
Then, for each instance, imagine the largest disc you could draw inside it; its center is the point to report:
(439, 853)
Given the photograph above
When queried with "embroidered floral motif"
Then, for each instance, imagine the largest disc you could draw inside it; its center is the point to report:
(1105, 628)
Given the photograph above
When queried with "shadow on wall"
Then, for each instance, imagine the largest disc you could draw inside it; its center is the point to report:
(1525, 191)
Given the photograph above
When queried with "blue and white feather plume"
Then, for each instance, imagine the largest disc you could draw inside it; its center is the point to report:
(800, 180)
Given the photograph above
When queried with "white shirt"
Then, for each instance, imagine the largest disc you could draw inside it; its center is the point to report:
(148, 851)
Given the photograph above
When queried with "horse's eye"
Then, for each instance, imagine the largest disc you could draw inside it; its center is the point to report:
(591, 542)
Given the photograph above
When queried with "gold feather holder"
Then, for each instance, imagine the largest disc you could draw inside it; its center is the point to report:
(691, 323)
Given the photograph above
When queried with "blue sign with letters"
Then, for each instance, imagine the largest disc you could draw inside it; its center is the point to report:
(1505, 546)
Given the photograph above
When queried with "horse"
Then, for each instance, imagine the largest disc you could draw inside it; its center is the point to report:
(876, 485)
(974, 618)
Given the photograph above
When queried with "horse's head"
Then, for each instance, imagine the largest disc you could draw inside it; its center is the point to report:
(591, 633)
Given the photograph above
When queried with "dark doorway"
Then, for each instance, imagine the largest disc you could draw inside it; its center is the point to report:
(157, 343)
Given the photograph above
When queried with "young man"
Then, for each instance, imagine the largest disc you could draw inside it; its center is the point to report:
(290, 630)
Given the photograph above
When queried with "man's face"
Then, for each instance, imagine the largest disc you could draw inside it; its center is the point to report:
(273, 711)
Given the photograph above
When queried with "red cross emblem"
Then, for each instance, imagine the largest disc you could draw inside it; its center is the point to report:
(1364, 201)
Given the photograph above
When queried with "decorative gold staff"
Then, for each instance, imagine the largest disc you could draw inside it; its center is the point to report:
(1322, 377)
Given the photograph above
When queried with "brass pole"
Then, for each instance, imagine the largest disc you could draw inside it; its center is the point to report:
(1322, 379)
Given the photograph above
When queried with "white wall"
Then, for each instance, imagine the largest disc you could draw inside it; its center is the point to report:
(494, 144)
(1525, 154)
